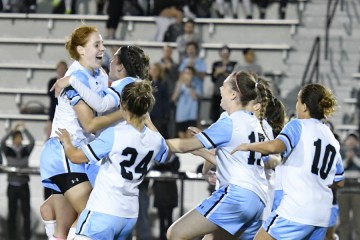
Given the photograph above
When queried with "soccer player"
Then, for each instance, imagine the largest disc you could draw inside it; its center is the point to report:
(312, 165)
(126, 150)
(227, 211)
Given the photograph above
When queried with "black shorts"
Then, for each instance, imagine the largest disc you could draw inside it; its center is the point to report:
(66, 181)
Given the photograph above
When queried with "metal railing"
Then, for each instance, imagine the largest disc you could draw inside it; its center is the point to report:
(330, 13)
(314, 64)
(156, 175)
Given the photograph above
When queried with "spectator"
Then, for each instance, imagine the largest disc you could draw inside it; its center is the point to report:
(170, 75)
(161, 110)
(189, 36)
(349, 196)
(193, 60)
(64, 6)
(185, 97)
(100, 4)
(114, 11)
(234, 7)
(170, 67)
(167, 12)
(166, 194)
(201, 8)
(250, 64)
(263, 4)
(220, 70)
(17, 155)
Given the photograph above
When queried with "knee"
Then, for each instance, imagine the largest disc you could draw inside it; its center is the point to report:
(46, 212)
(172, 233)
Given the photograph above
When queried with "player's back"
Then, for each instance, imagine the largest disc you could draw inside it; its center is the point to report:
(116, 186)
(307, 173)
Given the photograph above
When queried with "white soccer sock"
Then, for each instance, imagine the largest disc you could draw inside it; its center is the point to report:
(71, 234)
(49, 228)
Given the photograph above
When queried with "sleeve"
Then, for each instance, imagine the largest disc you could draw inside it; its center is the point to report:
(31, 139)
(100, 147)
(339, 174)
(123, 83)
(95, 101)
(290, 136)
(3, 142)
(278, 196)
(70, 92)
(163, 153)
(218, 134)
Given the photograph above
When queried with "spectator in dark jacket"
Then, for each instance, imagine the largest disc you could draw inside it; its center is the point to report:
(161, 110)
(166, 194)
(17, 155)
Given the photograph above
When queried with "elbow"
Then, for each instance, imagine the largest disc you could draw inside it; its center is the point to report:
(340, 184)
(90, 127)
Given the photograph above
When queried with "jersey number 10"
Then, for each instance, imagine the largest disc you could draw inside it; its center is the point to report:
(327, 161)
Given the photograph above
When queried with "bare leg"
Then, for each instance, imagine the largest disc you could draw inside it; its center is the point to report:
(262, 235)
(184, 228)
(78, 196)
(65, 216)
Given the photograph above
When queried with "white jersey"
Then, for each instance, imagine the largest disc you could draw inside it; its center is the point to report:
(127, 154)
(65, 115)
(312, 164)
(244, 169)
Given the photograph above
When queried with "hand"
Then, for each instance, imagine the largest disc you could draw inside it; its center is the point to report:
(211, 177)
(63, 135)
(241, 147)
(194, 130)
(20, 126)
(60, 84)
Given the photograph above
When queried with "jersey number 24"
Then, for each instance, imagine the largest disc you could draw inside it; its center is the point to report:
(141, 167)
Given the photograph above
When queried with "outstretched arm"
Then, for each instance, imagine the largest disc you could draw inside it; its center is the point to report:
(268, 147)
(75, 155)
(180, 145)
